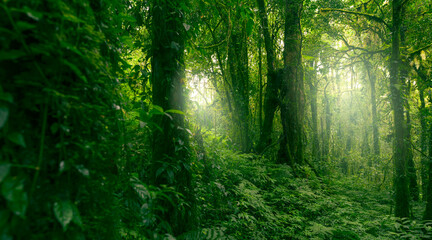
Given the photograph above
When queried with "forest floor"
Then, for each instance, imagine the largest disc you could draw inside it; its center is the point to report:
(250, 198)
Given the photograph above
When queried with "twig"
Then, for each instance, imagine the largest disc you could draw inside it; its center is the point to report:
(41, 148)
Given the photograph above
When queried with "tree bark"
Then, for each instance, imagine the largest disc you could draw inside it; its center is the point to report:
(291, 146)
(423, 142)
(270, 99)
(238, 68)
(411, 169)
(260, 84)
(375, 132)
(313, 91)
(327, 131)
(428, 211)
(170, 155)
(399, 150)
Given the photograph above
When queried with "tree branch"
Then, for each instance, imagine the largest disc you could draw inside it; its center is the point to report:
(419, 50)
(366, 15)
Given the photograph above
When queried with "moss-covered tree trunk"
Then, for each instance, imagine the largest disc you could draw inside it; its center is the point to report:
(423, 141)
(270, 99)
(399, 150)
(372, 81)
(238, 68)
(404, 75)
(291, 145)
(428, 211)
(170, 146)
(411, 169)
(424, 134)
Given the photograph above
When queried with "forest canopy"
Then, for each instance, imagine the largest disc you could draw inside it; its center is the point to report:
(222, 119)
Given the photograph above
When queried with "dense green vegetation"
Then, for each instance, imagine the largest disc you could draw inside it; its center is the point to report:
(196, 119)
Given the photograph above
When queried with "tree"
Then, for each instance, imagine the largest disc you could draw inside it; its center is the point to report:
(170, 145)
(399, 150)
(310, 76)
(271, 94)
(239, 76)
(291, 103)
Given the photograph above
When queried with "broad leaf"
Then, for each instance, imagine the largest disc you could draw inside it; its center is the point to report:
(19, 203)
(4, 170)
(76, 216)
(17, 138)
(11, 55)
(4, 113)
(63, 211)
(7, 97)
(11, 188)
(175, 111)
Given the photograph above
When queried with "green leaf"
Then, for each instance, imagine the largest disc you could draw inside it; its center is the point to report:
(11, 187)
(4, 170)
(76, 70)
(307, 58)
(13, 192)
(186, 26)
(71, 47)
(84, 171)
(54, 128)
(64, 213)
(72, 18)
(19, 203)
(160, 171)
(76, 216)
(175, 111)
(17, 138)
(127, 40)
(32, 14)
(4, 113)
(25, 26)
(249, 27)
(7, 97)
(156, 110)
(11, 55)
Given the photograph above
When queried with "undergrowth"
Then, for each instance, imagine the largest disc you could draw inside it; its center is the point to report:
(249, 197)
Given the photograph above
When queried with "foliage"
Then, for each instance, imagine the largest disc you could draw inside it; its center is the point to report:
(248, 197)
(77, 119)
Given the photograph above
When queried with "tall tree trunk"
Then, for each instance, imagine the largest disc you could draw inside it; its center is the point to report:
(411, 169)
(270, 99)
(399, 152)
(365, 146)
(327, 131)
(375, 132)
(313, 92)
(428, 211)
(238, 68)
(170, 145)
(260, 84)
(423, 142)
(291, 146)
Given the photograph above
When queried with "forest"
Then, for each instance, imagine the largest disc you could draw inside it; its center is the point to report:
(215, 119)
